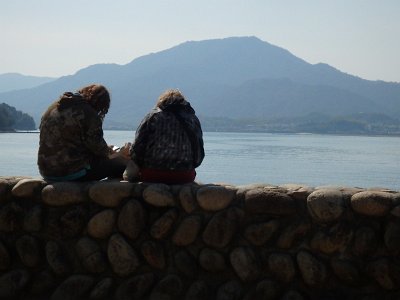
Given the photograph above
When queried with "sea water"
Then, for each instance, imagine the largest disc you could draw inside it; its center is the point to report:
(243, 158)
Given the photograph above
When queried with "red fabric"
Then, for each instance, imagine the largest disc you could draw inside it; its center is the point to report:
(166, 176)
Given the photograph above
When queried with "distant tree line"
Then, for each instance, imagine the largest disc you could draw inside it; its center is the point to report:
(362, 123)
(12, 119)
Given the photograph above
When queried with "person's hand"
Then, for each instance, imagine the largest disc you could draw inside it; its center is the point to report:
(113, 149)
(124, 151)
(131, 172)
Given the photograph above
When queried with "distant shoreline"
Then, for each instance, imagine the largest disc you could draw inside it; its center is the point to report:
(244, 131)
(19, 131)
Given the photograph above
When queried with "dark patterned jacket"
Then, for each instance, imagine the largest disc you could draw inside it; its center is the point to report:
(71, 136)
(169, 138)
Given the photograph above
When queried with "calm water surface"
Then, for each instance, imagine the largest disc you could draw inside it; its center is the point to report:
(241, 158)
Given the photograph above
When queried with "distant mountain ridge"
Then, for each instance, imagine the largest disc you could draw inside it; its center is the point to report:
(233, 78)
(16, 81)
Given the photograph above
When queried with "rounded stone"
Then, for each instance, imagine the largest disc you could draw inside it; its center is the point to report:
(73, 221)
(259, 234)
(230, 290)
(110, 194)
(64, 193)
(159, 195)
(292, 295)
(28, 187)
(5, 259)
(6, 185)
(122, 257)
(282, 266)
(74, 287)
(243, 189)
(101, 225)
(267, 289)
(187, 200)
(33, 219)
(42, 282)
(132, 219)
(215, 197)
(187, 231)
(245, 264)
(102, 290)
(11, 216)
(292, 233)
(371, 203)
(163, 225)
(335, 239)
(28, 250)
(264, 201)
(365, 241)
(298, 192)
(313, 271)
(5, 190)
(153, 252)
(211, 260)
(345, 271)
(135, 288)
(12, 283)
(221, 228)
(90, 255)
(392, 237)
(170, 287)
(198, 290)
(380, 271)
(186, 264)
(325, 205)
(56, 258)
(396, 211)
(324, 243)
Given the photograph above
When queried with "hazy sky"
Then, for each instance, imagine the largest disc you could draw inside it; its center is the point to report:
(59, 37)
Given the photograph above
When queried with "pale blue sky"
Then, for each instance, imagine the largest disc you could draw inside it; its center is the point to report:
(59, 37)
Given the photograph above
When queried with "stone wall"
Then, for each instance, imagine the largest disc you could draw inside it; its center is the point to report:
(120, 240)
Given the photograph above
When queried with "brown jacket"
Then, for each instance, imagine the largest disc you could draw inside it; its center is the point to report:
(71, 136)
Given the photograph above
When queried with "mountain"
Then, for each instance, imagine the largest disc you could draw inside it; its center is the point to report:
(15, 81)
(12, 119)
(271, 98)
(232, 78)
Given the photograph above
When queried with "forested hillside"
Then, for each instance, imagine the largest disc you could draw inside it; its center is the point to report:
(12, 119)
